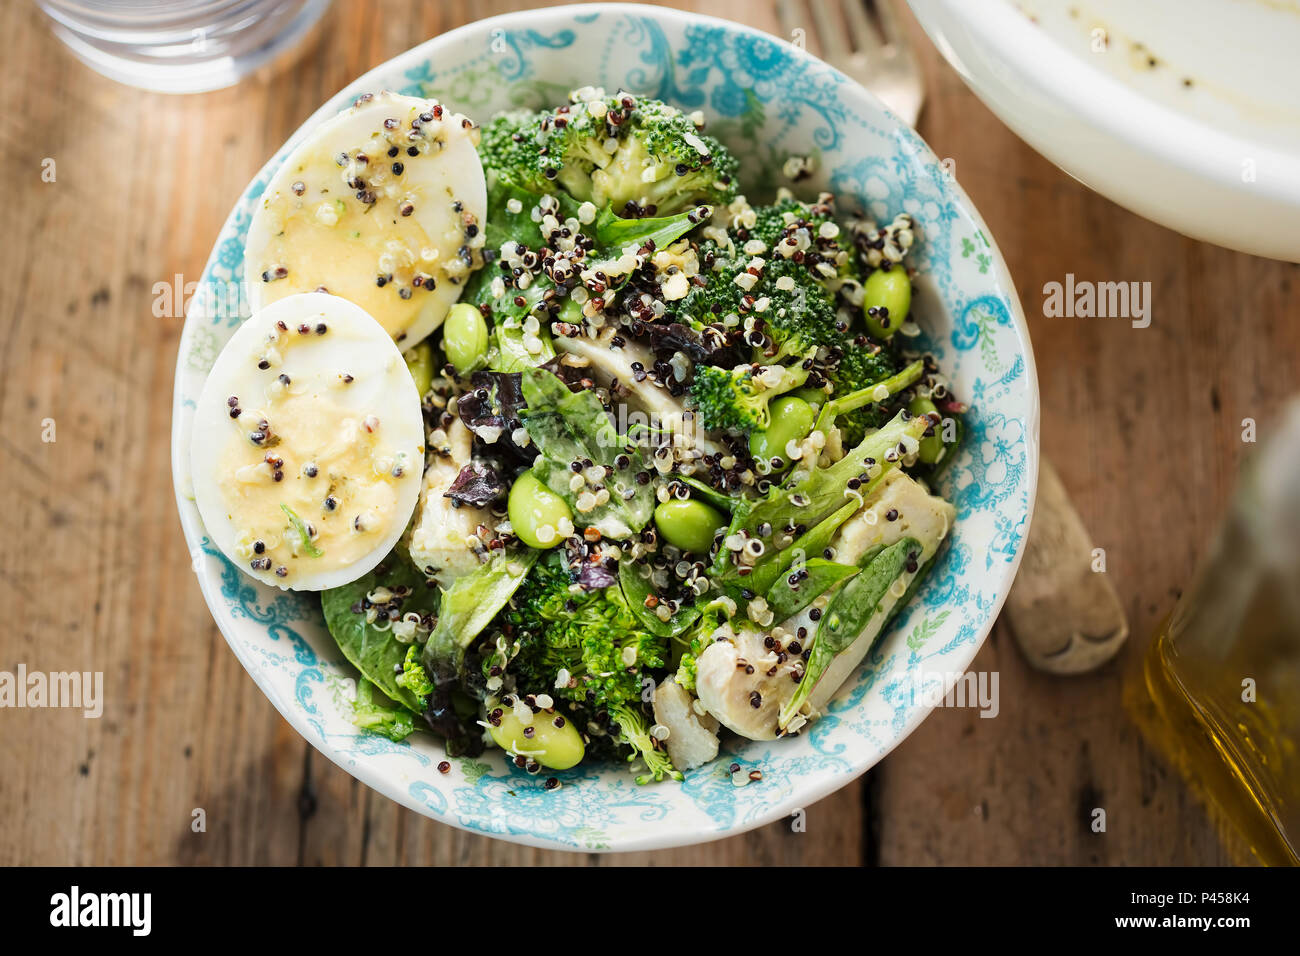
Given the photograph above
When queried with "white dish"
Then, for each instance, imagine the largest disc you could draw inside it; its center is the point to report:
(1186, 112)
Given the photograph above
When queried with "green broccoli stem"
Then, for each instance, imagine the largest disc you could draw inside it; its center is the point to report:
(878, 392)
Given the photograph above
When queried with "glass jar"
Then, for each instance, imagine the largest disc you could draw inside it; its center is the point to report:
(1219, 691)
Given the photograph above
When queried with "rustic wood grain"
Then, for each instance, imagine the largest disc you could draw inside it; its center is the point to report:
(1142, 424)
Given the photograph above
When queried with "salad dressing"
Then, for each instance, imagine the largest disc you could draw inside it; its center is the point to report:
(382, 206)
(319, 486)
(309, 443)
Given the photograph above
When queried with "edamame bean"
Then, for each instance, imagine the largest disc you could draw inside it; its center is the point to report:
(889, 293)
(689, 525)
(547, 737)
(571, 312)
(791, 418)
(932, 448)
(465, 337)
(536, 512)
(420, 362)
(816, 397)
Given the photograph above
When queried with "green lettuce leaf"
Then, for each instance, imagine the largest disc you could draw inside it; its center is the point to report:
(570, 426)
(467, 607)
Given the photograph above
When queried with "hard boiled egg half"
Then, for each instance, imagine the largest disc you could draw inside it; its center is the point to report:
(383, 205)
(308, 444)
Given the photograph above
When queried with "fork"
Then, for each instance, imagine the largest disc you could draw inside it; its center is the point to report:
(866, 40)
(1065, 618)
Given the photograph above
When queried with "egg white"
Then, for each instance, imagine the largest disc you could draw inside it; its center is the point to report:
(443, 183)
(381, 389)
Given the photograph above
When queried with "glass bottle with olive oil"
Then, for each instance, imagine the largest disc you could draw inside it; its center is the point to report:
(1219, 691)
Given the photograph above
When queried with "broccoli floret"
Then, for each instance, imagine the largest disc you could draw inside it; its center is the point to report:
(790, 298)
(687, 668)
(414, 677)
(584, 647)
(781, 298)
(793, 298)
(633, 733)
(509, 151)
(785, 217)
(738, 399)
(624, 149)
(800, 313)
(825, 249)
(790, 320)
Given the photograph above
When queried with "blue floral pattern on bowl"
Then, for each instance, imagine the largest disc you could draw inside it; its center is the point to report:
(769, 99)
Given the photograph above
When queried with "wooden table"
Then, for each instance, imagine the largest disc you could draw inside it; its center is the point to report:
(1143, 425)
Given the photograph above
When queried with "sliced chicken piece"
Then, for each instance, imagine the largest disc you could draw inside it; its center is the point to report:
(744, 700)
(442, 542)
(920, 515)
(614, 364)
(692, 738)
(723, 681)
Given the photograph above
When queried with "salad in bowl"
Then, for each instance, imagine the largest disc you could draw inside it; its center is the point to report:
(591, 456)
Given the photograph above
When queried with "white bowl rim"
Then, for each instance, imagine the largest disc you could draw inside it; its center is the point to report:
(647, 840)
(1121, 110)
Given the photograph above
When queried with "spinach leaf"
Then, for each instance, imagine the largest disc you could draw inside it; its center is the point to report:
(375, 652)
(816, 577)
(373, 712)
(849, 613)
(510, 309)
(467, 607)
(510, 354)
(614, 233)
(570, 426)
(636, 588)
(505, 226)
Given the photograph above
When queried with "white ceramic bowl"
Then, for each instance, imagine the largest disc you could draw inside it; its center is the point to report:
(765, 98)
(1183, 111)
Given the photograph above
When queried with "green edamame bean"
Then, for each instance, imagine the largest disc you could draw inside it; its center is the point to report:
(889, 293)
(689, 525)
(465, 337)
(791, 418)
(932, 448)
(571, 312)
(419, 360)
(816, 397)
(549, 738)
(536, 512)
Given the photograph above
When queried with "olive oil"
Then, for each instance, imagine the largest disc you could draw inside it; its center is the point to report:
(1236, 756)
(1218, 693)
